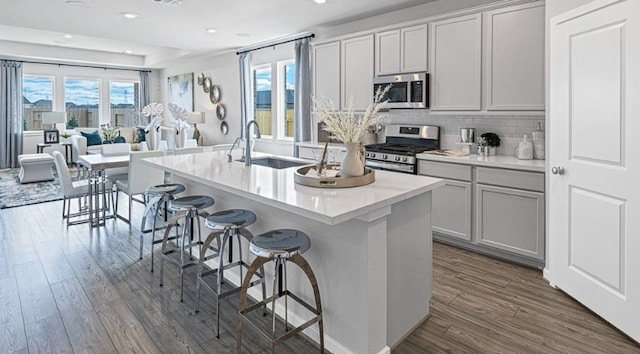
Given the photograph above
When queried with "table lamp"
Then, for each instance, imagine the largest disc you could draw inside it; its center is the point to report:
(195, 118)
(55, 119)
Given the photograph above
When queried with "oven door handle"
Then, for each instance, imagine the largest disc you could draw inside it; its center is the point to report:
(389, 166)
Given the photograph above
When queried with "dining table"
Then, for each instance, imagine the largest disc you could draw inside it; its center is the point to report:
(96, 164)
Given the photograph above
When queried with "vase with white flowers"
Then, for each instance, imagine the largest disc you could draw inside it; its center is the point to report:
(153, 112)
(180, 123)
(349, 128)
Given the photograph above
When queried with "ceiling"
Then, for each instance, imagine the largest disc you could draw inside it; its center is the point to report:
(169, 29)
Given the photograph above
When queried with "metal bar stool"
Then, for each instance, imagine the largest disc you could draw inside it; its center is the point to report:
(189, 208)
(227, 223)
(155, 197)
(281, 246)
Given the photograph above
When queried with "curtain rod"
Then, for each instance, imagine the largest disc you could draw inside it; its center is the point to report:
(276, 43)
(82, 66)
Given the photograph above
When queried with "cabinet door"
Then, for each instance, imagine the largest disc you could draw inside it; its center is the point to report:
(388, 52)
(326, 71)
(510, 220)
(514, 58)
(413, 55)
(456, 64)
(357, 69)
(451, 212)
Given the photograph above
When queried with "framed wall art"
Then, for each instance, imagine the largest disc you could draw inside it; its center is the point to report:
(180, 90)
(51, 136)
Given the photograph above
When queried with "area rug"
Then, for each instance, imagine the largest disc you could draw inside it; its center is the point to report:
(14, 194)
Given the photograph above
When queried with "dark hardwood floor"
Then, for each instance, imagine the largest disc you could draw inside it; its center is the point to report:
(75, 290)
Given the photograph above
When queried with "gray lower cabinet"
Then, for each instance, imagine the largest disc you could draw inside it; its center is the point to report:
(510, 219)
(452, 216)
(495, 211)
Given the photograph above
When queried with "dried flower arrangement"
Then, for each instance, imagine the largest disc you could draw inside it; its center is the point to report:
(344, 125)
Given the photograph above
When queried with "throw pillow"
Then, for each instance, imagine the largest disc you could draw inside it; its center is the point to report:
(140, 135)
(92, 138)
(119, 139)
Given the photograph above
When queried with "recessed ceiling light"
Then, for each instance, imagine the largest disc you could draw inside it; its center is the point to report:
(211, 30)
(320, 1)
(77, 3)
(129, 15)
(243, 34)
(67, 36)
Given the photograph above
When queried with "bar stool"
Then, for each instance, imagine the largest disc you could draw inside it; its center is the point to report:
(190, 208)
(155, 197)
(227, 223)
(281, 246)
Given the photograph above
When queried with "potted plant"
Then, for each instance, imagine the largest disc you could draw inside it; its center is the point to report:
(493, 141)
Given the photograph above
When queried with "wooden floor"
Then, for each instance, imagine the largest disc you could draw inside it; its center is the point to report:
(71, 290)
(482, 305)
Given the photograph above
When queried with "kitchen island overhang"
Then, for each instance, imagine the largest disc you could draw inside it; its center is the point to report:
(371, 245)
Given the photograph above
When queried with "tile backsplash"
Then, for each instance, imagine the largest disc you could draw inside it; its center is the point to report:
(510, 128)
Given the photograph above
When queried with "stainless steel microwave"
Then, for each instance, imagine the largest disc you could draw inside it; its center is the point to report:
(407, 90)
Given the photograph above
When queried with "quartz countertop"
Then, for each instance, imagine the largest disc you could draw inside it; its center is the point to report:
(276, 187)
(498, 161)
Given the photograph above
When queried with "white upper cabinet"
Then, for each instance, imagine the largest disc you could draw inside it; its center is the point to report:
(388, 52)
(402, 50)
(514, 58)
(456, 64)
(413, 55)
(357, 72)
(326, 71)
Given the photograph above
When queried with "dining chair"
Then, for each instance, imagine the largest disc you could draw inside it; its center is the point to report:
(162, 145)
(73, 189)
(190, 143)
(140, 177)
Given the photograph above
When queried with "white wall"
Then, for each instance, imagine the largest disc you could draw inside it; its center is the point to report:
(224, 71)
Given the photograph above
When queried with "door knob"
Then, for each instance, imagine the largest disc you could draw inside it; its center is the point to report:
(557, 170)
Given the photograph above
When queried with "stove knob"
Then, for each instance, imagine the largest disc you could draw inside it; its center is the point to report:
(397, 158)
(404, 159)
(384, 156)
(371, 154)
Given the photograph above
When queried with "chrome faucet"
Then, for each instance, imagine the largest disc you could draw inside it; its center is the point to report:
(247, 149)
(229, 156)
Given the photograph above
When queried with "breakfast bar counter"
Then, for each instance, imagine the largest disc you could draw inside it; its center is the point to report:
(370, 245)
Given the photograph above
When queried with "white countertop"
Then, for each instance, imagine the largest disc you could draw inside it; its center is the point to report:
(498, 161)
(277, 187)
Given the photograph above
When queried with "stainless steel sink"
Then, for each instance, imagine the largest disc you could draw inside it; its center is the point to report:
(275, 162)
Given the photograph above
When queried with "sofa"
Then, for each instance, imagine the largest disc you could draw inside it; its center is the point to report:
(79, 143)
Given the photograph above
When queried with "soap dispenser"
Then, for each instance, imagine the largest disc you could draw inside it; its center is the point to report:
(538, 143)
(524, 150)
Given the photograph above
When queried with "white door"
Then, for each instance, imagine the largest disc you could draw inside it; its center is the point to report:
(594, 206)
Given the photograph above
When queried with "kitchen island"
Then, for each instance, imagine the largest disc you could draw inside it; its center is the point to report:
(370, 245)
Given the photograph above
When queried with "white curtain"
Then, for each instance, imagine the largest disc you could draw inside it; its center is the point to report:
(145, 93)
(11, 124)
(302, 105)
(246, 93)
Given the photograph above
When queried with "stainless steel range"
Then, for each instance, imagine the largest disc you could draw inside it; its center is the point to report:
(402, 144)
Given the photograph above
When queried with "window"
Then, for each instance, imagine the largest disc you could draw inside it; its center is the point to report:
(37, 97)
(82, 102)
(123, 103)
(262, 98)
(275, 122)
(286, 70)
